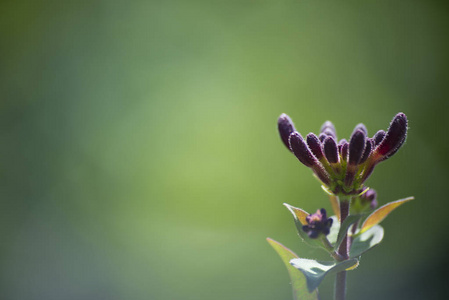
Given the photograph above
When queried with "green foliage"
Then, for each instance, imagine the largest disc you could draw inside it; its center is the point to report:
(315, 271)
(344, 228)
(381, 213)
(366, 241)
(298, 280)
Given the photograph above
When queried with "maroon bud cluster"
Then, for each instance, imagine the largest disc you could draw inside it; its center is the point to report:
(344, 166)
(317, 224)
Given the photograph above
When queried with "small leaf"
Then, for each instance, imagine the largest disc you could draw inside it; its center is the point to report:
(351, 219)
(298, 281)
(315, 271)
(381, 213)
(366, 241)
(299, 216)
(335, 205)
(298, 213)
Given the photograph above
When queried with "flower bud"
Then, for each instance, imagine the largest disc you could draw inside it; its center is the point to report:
(301, 151)
(395, 137)
(365, 202)
(342, 141)
(285, 127)
(322, 136)
(331, 150)
(318, 223)
(315, 145)
(356, 147)
(329, 129)
(367, 152)
(344, 151)
(369, 197)
(361, 127)
(378, 137)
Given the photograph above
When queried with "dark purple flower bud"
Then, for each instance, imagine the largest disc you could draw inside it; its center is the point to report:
(361, 127)
(395, 136)
(331, 150)
(285, 127)
(329, 129)
(378, 137)
(340, 145)
(344, 151)
(370, 197)
(322, 136)
(315, 145)
(317, 223)
(301, 151)
(356, 147)
(368, 147)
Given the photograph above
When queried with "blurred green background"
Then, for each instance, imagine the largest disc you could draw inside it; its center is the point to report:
(140, 157)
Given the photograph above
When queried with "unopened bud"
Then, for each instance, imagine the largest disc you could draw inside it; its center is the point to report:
(329, 129)
(285, 127)
(361, 127)
(315, 145)
(301, 151)
(322, 136)
(378, 137)
(367, 151)
(370, 197)
(344, 151)
(356, 147)
(331, 150)
(395, 136)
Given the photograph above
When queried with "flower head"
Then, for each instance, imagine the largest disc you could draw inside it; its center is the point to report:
(343, 166)
(317, 223)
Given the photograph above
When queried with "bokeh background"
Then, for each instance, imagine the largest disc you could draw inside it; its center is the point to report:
(140, 159)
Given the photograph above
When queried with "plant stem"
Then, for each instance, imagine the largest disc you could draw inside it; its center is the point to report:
(340, 286)
(343, 251)
(344, 212)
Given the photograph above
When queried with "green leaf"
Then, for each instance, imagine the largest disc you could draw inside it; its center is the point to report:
(381, 213)
(298, 281)
(351, 219)
(299, 215)
(315, 271)
(366, 240)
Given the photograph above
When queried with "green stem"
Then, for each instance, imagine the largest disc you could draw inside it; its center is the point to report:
(343, 251)
(330, 249)
(340, 286)
(344, 212)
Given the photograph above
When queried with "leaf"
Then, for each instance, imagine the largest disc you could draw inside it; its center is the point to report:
(335, 205)
(351, 219)
(299, 216)
(315, 271)
(298, 213)
(298, 280)
(366, 241)
(381, 213)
